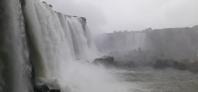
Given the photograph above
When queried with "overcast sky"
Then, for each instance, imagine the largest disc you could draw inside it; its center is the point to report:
(110, 15)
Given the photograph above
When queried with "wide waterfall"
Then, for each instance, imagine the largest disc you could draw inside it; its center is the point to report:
(38, 44)
(58, 38)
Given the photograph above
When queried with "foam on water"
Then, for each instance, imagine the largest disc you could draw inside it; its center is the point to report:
(84, 77)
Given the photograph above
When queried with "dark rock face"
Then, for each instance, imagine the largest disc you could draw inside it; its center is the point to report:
(46, 86)
(105, 60)
(41, 88)
(109, 61)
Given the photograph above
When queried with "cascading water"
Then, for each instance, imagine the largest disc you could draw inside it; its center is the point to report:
(48, 45)
(15, 70)
(58, 38)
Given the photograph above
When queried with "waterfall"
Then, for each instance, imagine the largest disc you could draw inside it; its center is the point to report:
(14, 64)
(57, 37)
(39, 44)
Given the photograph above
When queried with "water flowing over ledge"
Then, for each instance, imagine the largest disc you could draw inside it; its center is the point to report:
(35, 41)
(39, 45)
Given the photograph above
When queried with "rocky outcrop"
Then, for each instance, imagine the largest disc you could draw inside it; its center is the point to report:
(47, 86)
(105, 60)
